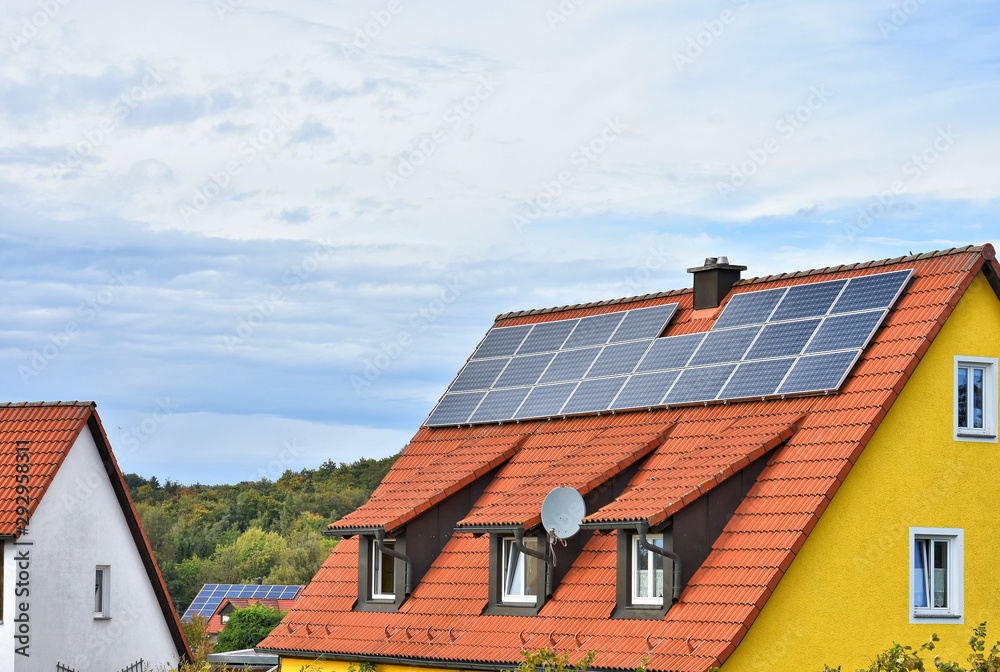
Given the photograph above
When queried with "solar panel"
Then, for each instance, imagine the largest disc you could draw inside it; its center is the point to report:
(749, 308)
(478, 375)
(502, 342)
(756, 379)
(211, 596)
(545, 400)
(642, 391)
(594, 395)
(594, 330)
(570, 365)
(810, 300)
(701, 384)
(618, 359)
(724, 346)
(871, 291)
(783, 339)
(455, 409)
(500, 405)
(546, 337)
(670, 352)
(817, 373)
(523, 371)
(790, 340)
(842, 332)
(644, 323)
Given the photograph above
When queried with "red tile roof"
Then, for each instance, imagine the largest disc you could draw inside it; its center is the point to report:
(813, 441)
(50, 429)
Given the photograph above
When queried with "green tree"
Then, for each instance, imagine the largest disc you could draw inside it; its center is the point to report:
(247, 627)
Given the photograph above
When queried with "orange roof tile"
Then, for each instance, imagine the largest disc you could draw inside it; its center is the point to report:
(812, 443)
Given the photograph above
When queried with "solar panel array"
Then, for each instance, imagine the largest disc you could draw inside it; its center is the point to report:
(789, 340)
(211, 595)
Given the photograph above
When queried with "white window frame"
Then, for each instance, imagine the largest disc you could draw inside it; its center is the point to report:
(650, 577)
(378, 568)
(954, 613)
(506, 545)
(988, 432)
(103, 611)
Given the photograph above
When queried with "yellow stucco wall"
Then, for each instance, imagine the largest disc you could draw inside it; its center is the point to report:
(846, 595)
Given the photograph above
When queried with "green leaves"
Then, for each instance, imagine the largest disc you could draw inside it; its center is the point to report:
(899, 658)
(247, 627)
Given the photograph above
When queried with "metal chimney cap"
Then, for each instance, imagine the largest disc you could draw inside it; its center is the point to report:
(713, 263)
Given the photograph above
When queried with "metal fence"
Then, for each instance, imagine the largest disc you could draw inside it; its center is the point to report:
(137, 666)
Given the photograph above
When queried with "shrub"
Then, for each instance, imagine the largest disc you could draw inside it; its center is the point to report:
(247, 627)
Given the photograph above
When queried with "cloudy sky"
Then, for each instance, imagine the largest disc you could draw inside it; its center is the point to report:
(265, 234)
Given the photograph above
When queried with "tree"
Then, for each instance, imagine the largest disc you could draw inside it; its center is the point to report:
(248, 627)
(196, 634)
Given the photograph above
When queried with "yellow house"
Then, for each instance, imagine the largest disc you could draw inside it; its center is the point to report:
(773, 474)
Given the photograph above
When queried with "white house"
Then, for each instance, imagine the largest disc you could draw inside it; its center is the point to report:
(80, 586)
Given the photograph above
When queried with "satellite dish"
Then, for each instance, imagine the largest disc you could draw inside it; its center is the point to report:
(562, 512)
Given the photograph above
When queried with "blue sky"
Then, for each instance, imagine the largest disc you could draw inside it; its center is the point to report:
(265, 234)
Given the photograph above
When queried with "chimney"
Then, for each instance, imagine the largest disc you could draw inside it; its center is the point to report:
(713, 281)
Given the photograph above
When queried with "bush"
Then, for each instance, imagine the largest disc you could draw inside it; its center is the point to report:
(247, 627)
(899, 658)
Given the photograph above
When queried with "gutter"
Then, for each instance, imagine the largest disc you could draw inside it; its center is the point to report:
(642, 528)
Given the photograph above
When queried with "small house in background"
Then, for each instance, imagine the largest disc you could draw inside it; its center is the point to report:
(216, 601)
(80, 586)
(776, 473)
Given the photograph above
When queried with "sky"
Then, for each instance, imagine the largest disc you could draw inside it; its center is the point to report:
(261, 235)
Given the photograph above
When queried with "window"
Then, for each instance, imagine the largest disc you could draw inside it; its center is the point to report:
(647, 572)
(102, 592)
(520, 572)
(383, 572)
(936, 586)
(975, 399)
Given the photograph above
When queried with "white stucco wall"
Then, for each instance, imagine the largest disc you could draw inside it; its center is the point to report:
(77, 526)
(7, 627)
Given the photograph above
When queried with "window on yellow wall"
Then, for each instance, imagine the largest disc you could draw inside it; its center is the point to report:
(976, 399)
(936, 575)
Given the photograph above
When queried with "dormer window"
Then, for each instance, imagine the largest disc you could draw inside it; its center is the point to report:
(381, 576)
(520, 572)
(383, 572)
(647, 572)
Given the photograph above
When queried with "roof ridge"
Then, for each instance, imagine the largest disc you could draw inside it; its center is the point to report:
(751, 281)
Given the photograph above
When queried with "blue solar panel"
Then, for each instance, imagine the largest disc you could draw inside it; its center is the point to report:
(672, 352)
(782, 340)
(455, 409)
(523, 370)
(618, 359)
(724, 346)
(570, 365)
(594, 330)
(502, 341)
(811, 300)
(871, 291)
(545, 400)
(211, 596)
(594, 395)
(756, 379)
(749, 308)
(546, 337)
(642, 391)
(478, 375)
(817, 373)
(702, 384)
(644, 323)
(500, 404)
(843, 332)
